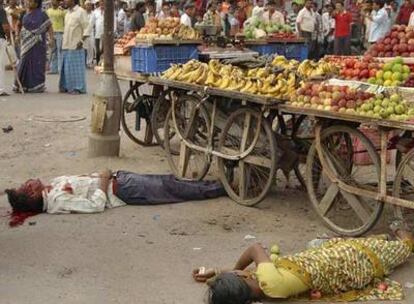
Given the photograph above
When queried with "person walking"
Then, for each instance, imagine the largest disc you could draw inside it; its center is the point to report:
(89, 44)
(57, 17)
(72, 75)
(343, 20)
(306, 25)
(4, 33)
(31, 70)
(98, 25)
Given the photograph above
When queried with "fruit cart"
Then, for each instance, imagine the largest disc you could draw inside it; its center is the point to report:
(348, 195)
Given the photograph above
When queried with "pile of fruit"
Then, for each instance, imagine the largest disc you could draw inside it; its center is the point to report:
(259, 30)
(311, 70)
(344, 99)
(263, 81)
(399, 42)
(125, 40)
(393, 73)
(357, 69)
(165, 29)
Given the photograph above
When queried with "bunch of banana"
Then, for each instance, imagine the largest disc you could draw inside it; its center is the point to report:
(284, 63)
(310, 69)
(187, 33)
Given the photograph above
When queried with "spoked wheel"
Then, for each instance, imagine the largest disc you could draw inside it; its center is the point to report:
(136, 116)
(159, 114)
(404, 188)
(343, 212)
(247, 180)
(193, 123)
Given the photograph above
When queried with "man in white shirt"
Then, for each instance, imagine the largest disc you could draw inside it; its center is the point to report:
(189, 11)
(89, 44)
(272, 15)
(4, 33)
(258, 9)
(73, 70)
(379, 22)
(98, 25)
(164, 12)
(93, 193)
(328, 28)
(306, 25)
(120, 17)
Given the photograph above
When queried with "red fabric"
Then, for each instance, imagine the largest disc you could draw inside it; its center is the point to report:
(343, 24)
(404, 14)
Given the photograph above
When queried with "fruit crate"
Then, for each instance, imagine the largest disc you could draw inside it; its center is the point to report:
(158, 58)
(267, 49)
(298, 51)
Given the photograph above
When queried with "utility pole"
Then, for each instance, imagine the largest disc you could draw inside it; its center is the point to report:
(104, 139)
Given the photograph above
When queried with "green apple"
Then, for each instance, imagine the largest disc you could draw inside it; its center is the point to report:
(397, 68)
(388, 82)
(395, 98)
(398, 60)
(390, 110)
(405, 76)
(372, 80)
(399, 109)
(388, 66)
(406, 69)
(379, 74)
(377, 109)
(387, 75)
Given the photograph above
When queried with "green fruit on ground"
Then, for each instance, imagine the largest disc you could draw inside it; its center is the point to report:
(377, 109)
(406, 69)
(387, 83)
(396, 76)
(398, 60)
(372, 80)
(387, 75)
(379, 75)
(275, 249)
(388, 66)
(397, 68)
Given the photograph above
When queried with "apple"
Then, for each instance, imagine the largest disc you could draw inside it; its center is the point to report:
(315, 295)
(382, 286)
(342, 103)
(335, 108)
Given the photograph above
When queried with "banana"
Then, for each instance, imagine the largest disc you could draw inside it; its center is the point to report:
(176, 74)
(246, 86)
(224, 83)
(203, 76)
(210, 78)
(196, 74)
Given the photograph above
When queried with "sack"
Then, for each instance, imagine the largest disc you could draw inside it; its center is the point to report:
(11, 54)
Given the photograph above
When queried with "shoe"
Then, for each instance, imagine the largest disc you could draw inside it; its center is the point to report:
(4, 94)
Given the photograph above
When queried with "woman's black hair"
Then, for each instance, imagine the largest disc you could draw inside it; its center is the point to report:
(39, 3)
(380, 3)
(21, 202)
(228, 288)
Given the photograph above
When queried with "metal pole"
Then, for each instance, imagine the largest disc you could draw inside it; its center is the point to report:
(104, 139)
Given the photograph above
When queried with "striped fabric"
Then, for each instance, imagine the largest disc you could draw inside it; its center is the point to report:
(73, 71)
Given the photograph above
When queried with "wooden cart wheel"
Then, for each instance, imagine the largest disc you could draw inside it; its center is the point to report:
(247, 180)
(159, 114)
(193, 123)
(404, 188)
(343, 212)
(136, 116)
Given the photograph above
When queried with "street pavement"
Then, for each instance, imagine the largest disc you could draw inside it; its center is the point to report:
(133, 254)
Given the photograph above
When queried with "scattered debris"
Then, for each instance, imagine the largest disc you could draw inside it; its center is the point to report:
(212, 222)
(156, 217)
(197, 248)
(176, 231)
(32, 223)
(249, 237)
(7, 129)
(71, 153)
(47, 145)
(409, 285)
(227, 227)
(149, 242)
(141, 235)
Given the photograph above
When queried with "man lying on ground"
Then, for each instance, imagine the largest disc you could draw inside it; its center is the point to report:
(93, 193)
(338, 270)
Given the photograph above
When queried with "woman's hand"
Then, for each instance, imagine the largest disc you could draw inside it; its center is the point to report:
(202, 277)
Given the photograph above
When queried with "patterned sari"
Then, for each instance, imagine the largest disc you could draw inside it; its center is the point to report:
(350, 270)
(32, 65)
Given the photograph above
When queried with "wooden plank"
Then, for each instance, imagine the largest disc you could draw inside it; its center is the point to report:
(328, 199)
(249, 159)
(383, 155)
(131, 76)
(183, 160)
(356, 205)
(288, 109)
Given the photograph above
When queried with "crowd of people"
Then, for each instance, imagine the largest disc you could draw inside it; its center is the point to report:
(66, 36)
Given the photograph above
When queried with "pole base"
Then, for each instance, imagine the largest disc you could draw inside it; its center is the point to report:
(104, 145)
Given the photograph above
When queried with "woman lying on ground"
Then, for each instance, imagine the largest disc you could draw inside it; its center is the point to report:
(338, 270)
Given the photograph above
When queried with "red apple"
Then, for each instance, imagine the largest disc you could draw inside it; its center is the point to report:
(394, 41)
(356, 72)
(387, 41)
(387, 47)
(342, 103)
(372, 73)
(364, 74)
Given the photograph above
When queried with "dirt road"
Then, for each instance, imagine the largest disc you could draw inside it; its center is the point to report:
(130, 254)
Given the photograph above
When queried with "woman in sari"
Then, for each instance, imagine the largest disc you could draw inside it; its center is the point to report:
(337, 270)
(31, 70)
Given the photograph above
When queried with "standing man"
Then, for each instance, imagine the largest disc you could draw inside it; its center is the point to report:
(137, 19)
(343, 20)
(272, 15)
(188, 14)
(379, 22)
(405, 12)
(306, 25)
(291, 18)
(57, 17)
(98, 25)
(120, 17)
(328, 26)
(4, 33)
(89, 44)
(72, 75)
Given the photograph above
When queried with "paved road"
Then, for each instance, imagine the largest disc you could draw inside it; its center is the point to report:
(140, 254)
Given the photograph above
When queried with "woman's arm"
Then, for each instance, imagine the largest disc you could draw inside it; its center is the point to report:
(255, 253)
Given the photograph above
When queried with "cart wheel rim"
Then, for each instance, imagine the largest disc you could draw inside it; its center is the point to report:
(339, 209)
(248, 180)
